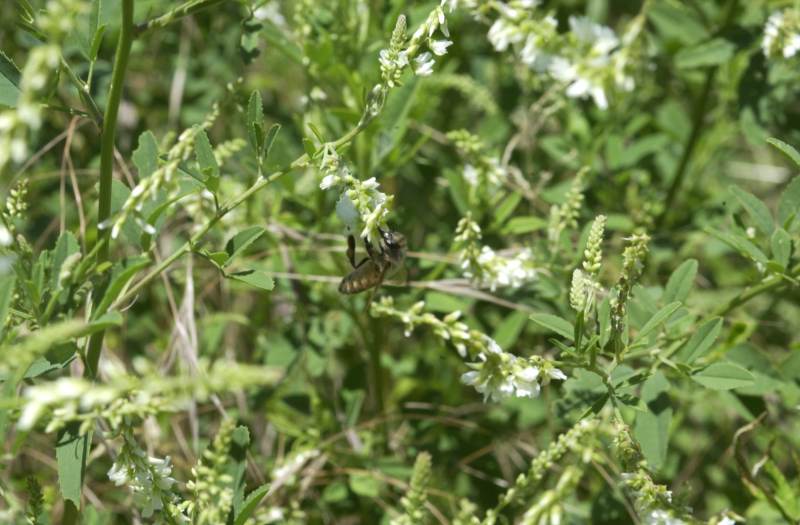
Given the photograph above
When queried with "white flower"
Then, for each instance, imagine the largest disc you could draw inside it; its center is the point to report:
(502, 34)
(449, 4)
(529, 373)
(470, 175)
(292, 465)
(399, 61)
(370, 184)
(439, 47)
(577, 86)
(119, 474)
(602, 38)
(662, 517)
(425, 64)
(5, 236)
(271, 12)
(328, 181)
(782, 34)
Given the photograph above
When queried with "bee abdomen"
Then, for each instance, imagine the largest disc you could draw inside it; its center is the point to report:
(355, 284)
(360, 279)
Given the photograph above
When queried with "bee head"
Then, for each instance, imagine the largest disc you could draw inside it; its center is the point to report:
(394, 245)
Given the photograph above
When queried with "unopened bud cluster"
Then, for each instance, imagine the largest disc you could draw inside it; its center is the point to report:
(632, 265)
(565, 215)
(414, 501)
(585, 286)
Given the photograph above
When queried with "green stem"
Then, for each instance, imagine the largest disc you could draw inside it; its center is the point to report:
(181, 11)
(107, 160)
(691, 144)
(745, 295)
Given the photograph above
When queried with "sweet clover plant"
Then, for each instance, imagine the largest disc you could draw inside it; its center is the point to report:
(596, 316)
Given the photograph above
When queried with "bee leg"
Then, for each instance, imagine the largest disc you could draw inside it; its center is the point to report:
(351, 251)
(370, 250)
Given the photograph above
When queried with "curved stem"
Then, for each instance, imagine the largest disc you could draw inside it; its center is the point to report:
(181, 11)
(260, 183)
(107, 159)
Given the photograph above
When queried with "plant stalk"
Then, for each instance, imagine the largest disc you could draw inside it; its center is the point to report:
(107, 161)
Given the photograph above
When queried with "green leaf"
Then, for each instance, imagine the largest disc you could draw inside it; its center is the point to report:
(505, 209)
(458, 190)
(675, 21)
(250, 504)
(97, 41)
(7, 283)
(204, 154)
(508, 330)
(239, 242)
(145, 156)
(236, 465)
(604, 320)
(309, 147)
(680, 282)
(9, 82)
(393, 120)
(71, 450)
(519, 225)
(757, 210)
(652, 427)
(789, 204)
(57, 358)
(786, 149)
(254, 278)
(723, 376)
(364, 485)
(657, 320)
(276, 37)
(781, 243)
(255, 122)
(741, 244)
(555, 324)
(122, 274)
(702, 339)
(335, 492)
(711, 53)
(66, 245)
(269, 141)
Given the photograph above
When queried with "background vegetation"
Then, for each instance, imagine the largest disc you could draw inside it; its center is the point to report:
(596, 319)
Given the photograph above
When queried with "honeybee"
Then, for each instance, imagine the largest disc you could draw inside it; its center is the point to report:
(373, 269)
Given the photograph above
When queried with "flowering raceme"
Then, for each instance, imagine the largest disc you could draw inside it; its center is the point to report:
(495, 373)
(360, 201)
(487, 268)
